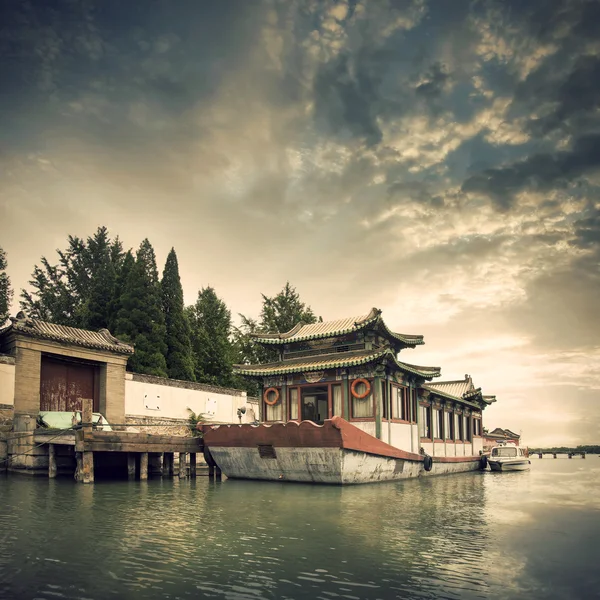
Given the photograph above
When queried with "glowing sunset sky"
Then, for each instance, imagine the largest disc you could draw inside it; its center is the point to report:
(436, 159)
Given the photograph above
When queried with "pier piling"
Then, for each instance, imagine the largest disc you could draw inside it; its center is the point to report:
(193, 465)
(130, 466)
(143, 466)
(52, 469)
(182, 465)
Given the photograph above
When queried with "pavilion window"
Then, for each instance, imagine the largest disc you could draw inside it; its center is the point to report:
(337, 400)
(468, 432)
(362, 408)
(460, 428)
(400, 404)
(425, 422)
(438, 424)
(387, 399)
(440, 420)
(413, 413)
(293, 404)
(274, 412)
(449, 425)
(477, 426)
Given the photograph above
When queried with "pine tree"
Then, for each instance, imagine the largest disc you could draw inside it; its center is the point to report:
(281, 312)
(5, 289)
(101, 259)
(140, 319)
(126, 264)
(79, 289)
(180, 360)
(210, 322)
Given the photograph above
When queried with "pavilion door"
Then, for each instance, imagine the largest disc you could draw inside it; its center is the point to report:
(63, 384)
(315, 404)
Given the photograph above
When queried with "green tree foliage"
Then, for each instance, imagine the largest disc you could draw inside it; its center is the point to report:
(5, 289)
(210, 322)
(80, 289)
(281, 312)
(278, 314)
(126, 265)
(140, 319)
(180, 360)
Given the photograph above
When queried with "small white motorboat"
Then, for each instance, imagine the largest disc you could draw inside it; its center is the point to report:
(508, 457)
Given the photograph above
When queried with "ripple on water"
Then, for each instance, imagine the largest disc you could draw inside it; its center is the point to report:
(466, 536)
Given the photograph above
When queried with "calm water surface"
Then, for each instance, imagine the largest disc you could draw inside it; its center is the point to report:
(526, 535)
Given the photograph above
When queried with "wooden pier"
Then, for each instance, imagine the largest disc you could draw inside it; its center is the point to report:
(145, 453)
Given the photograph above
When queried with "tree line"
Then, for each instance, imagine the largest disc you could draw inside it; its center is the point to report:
(95, 283)
(588, 449)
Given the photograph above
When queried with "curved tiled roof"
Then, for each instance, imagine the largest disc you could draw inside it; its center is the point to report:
(461, 389)
(332, 361)
(302, 332)
(42, 330)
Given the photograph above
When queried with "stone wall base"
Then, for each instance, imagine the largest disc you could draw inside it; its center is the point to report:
(159, 425)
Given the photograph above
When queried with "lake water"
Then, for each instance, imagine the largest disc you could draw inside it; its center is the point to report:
(529, 535)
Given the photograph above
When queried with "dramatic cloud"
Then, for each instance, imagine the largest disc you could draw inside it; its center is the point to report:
(439, 160)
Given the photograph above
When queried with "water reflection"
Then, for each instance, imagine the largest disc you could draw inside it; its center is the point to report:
(465, 536)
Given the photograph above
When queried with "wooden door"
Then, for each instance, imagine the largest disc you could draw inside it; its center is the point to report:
(63, 384)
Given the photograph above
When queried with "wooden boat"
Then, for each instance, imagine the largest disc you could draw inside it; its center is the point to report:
(335, 452)
(508, 457)
(339, 407)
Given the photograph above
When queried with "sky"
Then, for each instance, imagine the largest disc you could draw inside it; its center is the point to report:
(437, 160)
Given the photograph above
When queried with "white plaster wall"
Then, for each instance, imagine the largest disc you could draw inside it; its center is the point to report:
(416, 442)
(439, 449)
(450, 449)
(385, 430)
(155, 400)
(400, 438)
(7, 384)
(428, 447)
(366, 426)
(468, 449)
(477, 445)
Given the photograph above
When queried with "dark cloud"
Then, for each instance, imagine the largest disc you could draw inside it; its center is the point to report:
(540, 172)
(333, 143)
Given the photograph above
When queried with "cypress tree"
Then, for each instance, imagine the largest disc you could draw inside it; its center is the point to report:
(101, 259)
(5, 289)
(80, 289)
(180, 360)
(210, 322)
(140, 319)
(122, 275)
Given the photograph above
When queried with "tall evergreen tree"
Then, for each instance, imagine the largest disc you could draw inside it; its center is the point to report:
(79, 289)
(278, 314)
(5, 289)
(210, 322)
(126, 264)
(180, 360)
(281, 312)
(140, 319)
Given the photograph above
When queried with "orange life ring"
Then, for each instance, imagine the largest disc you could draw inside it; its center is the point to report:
(367, 388)
(266, 396)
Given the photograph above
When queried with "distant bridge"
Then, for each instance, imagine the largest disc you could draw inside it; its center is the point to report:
(554, 454)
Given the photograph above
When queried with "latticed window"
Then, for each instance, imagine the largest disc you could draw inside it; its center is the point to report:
(400, 405)
(274, 412)
(294, 404)
(362, 408)
(425, 422)
(337, 400)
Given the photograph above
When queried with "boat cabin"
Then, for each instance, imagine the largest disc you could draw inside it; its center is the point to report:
(349, 368)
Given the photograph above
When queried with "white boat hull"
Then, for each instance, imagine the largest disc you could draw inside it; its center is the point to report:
(327, 465)
(514, 465)
(336, 452)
